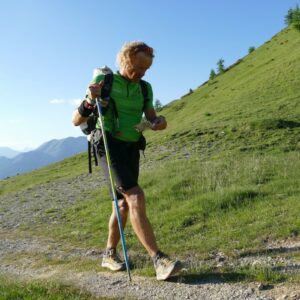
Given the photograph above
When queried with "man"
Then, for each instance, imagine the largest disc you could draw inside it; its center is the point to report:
(120, 119)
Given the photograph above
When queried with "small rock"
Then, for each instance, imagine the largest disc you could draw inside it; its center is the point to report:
(220, 258)
(92, 252)
(295, 296)
(263, 286)
(256, 263)
(249, 291)
(283, 297)
(116, 282)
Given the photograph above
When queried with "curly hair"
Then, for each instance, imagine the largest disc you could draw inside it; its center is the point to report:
(129, 49)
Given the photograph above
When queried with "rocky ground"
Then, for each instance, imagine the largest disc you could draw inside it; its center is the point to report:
(21, 256)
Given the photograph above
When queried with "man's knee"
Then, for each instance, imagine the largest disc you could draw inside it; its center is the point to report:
(135, 199)
(123, 206)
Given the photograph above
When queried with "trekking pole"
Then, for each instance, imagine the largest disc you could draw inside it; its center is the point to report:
(112, 183)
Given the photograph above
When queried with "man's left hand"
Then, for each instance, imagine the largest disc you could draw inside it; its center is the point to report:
(159, 123)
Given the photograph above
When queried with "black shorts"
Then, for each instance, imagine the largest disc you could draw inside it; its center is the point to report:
(125, 159)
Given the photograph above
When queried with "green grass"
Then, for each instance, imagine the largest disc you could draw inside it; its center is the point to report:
(223, 204)
(10, 289)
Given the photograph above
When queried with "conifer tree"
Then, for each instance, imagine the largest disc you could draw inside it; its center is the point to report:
(212, 74)
(220, 65)
(251, 49)
(288, 19)
(157, 105)
(293, 17)
(296, 18)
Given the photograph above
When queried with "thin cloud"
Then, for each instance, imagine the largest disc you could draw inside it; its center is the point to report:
(73, 102)
(57, 101)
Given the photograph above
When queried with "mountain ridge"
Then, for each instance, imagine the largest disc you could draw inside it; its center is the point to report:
(8, 152)
(49, 152)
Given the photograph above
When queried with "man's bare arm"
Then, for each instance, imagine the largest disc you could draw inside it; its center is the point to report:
(77, 118)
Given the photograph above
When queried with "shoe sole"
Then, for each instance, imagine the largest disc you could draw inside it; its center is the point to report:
(177, 268)
(108, 266)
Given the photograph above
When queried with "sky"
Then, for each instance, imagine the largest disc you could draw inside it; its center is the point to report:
(48, 50)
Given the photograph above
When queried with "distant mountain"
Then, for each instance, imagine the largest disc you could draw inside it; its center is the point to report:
(47, 153)
(63, 148)
(4, 162)
(8, 152)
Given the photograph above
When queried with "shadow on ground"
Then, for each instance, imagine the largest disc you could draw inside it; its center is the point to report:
(274, 250)
(209, 278)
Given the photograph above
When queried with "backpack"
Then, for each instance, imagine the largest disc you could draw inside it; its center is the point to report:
(89, 127)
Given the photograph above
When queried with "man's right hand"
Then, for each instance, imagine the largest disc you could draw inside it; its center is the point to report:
(94, 92)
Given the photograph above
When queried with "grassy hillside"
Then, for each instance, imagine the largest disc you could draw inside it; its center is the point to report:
(224, 176)
(68, 168)
(253, 106)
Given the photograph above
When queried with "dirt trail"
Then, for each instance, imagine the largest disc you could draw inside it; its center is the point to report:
(117, 285)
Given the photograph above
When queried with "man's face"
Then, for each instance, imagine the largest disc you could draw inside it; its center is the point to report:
(138, 66)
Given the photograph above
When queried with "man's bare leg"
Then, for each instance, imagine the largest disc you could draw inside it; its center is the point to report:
(137, 210)
(113, 227)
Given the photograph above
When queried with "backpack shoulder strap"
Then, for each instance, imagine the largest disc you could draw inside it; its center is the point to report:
(144, 88)
(107, 86)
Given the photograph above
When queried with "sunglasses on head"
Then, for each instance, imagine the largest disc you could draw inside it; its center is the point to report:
(144, 48)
